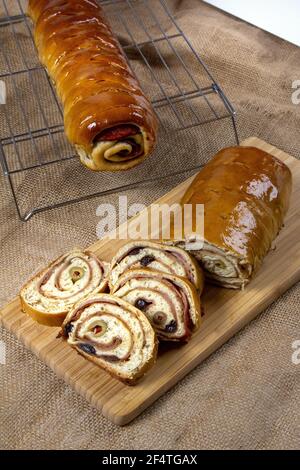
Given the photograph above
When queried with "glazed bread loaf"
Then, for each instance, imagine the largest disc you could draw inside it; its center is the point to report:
(158, 257)
(113, 334)
(171, 303)
(246, 194)
(106, 115)
(50, 295)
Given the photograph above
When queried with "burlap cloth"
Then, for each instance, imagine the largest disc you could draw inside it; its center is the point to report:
(244, 396)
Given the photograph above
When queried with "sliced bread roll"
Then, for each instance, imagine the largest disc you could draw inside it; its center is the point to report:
(113, 334)
(171, 303)
(158, 257)
(246, 195)
(50, 295)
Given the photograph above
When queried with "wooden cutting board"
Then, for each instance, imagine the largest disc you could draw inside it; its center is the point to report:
(226, 313)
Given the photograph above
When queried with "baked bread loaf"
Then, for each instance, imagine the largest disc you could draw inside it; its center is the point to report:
(106, 114)
(158, 257)
(246, 194)
(171, 303)
(50, 295)
(113, 334)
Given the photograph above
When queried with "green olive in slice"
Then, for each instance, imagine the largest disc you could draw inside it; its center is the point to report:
(76, 273)
(220, 264)
(100, 328)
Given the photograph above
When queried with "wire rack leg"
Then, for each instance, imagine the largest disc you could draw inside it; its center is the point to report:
(236, 134)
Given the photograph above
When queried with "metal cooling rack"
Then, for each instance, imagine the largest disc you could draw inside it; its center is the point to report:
(182, 89)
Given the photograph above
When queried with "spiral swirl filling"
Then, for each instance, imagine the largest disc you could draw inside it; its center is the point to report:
(165, 304)
(166, 261)
(106, 330)
(67, 281)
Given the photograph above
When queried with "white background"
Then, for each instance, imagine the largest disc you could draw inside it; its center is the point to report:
(280, 17)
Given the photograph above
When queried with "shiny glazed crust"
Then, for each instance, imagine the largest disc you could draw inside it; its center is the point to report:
(97, 88)
(246, 194)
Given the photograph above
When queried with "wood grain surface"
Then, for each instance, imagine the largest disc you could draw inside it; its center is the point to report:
(226, 312)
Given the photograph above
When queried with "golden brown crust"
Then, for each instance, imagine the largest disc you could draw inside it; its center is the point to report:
(92, 77)
(246, 193)
(47, 319)
(43, 318)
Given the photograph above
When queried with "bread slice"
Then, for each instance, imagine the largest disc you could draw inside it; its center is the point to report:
(113, 334)
(139, 254)
(171, 303)
(50, 295)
